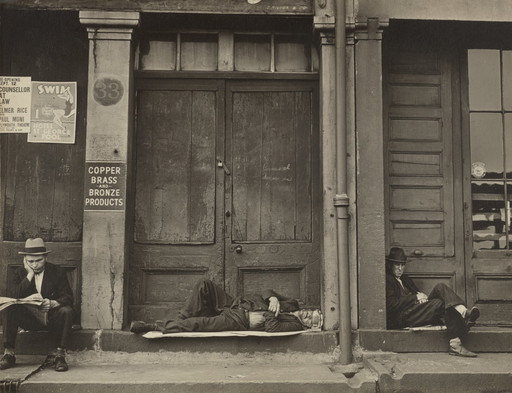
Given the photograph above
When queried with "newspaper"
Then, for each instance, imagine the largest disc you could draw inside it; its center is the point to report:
(32, 302)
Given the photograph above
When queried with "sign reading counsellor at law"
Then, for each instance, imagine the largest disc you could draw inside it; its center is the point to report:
(15, 100)
(105, 186)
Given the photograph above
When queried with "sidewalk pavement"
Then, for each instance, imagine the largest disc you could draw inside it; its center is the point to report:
(379, 372)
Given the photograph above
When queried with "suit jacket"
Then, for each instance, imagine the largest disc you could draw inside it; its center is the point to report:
(55, 285)
(260, 302)
(397, 300)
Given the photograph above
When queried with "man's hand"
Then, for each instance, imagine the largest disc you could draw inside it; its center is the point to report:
(45, 305)
(273, 305)
(30, 272)
(422, 298)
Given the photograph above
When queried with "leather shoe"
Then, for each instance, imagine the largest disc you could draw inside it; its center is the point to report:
(471, 316)
(60, 363)
(142, 327)
(457, 349)
(7, 361)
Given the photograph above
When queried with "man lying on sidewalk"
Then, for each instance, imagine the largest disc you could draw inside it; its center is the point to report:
(408, 307)
(211, 309)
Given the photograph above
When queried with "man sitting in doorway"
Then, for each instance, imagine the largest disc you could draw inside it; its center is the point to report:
(408, 307)
(50, 281)
(211, 309)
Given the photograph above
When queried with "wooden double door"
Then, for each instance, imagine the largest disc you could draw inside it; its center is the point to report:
(226, 187)
(447, 190)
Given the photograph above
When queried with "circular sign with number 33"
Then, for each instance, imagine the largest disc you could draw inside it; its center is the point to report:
(108, 91)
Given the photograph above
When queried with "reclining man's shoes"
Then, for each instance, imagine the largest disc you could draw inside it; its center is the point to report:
(142, 327)
(471, 316)
(457, 349)
(60, 363)
(7, 361)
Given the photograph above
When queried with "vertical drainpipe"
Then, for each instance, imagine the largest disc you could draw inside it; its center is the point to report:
(341, 200)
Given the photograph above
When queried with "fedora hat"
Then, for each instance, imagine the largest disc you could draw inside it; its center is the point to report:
(396, 255)
(34, 247)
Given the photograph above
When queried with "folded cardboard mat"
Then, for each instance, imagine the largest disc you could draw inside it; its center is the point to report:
(230, 333)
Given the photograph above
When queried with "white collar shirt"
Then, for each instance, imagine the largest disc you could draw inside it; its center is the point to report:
(38, 280)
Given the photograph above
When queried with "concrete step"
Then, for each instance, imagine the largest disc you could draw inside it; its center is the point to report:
(93, 371)
(379, 372)
(479, 339)
(322, 344)
(441, 373)
(194, 378)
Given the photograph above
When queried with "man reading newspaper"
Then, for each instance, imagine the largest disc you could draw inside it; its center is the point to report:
(54, 312)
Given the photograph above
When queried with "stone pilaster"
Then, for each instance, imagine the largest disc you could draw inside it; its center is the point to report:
(108, 151)
(370, 178)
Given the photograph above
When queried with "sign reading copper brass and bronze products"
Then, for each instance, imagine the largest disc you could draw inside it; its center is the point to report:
(105, 186)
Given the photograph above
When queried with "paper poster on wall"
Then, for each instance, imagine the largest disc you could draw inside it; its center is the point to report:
(53, 112)
(15, 99)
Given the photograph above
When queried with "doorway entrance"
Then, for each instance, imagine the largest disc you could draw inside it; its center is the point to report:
(227, 186)
(449, 146)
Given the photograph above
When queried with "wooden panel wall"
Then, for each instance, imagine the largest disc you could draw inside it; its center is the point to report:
(41, 185)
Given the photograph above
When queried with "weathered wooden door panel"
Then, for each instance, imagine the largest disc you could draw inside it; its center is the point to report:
(178, 193)
(273, 192)
(420, 162)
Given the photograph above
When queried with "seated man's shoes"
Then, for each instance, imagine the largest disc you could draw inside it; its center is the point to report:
(7, 361)
(142, 327)
(457, 349)
(471, 316)
(60, 363)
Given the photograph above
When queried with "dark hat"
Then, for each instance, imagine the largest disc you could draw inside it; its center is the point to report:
(34, 247)
(396, 255)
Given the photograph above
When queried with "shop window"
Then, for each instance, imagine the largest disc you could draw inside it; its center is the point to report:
(292, 53)
(490, 122)
(227, 51)
(158, 54)
(199, 52)
(187, 52)
(252, 52)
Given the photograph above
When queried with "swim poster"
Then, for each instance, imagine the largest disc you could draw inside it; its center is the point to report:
(53, 112)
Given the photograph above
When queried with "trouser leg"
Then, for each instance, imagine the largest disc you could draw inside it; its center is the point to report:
(427, 313)
(455, 324)
(207, 300)
(446, 294)
(60, 321)
(222, 322)
(19, 316)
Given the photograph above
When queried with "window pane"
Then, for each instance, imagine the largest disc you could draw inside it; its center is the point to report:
(489, 215)
(507, 80)
(484, 79)
(486, 145)
(199, 52)
(292, 53)
(158, 55)
(252, 52)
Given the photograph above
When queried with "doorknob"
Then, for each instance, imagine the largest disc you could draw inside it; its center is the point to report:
(238, 249)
